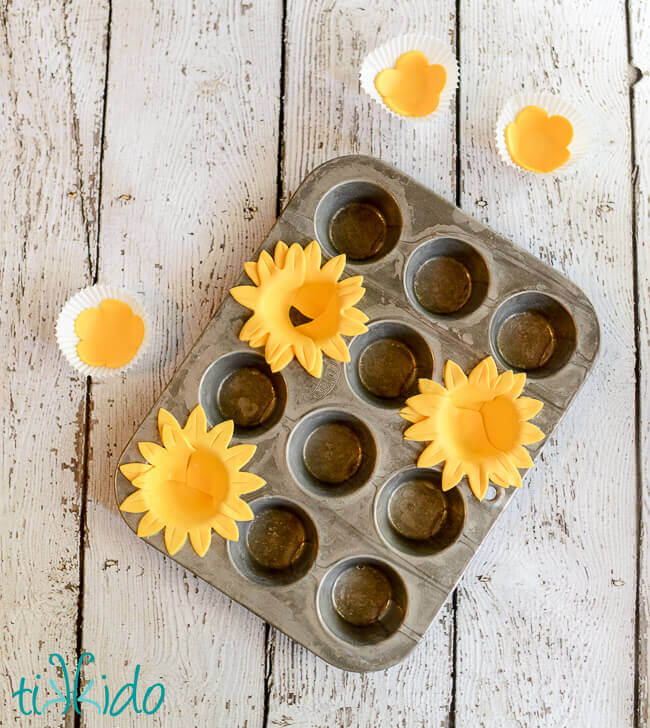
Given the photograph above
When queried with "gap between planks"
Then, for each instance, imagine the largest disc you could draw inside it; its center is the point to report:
(632, 80)
(94, 275)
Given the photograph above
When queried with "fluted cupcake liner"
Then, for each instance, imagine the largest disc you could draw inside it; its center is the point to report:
(68, 339)
(553, 105)
(385, 56)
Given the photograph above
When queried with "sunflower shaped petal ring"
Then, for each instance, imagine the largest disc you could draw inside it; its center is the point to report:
(293, 279)
(192, 483)
(478, 425)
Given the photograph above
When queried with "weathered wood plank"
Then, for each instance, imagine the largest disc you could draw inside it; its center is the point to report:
(189, 189)
(639, 19)
(50, 113)
(85, 39)
(546, 612)
(327, 115)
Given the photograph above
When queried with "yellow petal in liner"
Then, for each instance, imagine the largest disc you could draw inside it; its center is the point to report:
(293, 279)
(477, 425)
(192, 485)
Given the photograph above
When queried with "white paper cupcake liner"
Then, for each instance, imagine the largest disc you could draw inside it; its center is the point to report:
(436, 51)
(553, 105)
(66, 335)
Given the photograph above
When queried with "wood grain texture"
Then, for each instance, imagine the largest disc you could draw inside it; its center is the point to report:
(188, 191)
(327, 115)
(546, 611)
(546, 614)
(639, 19)
(50, 113)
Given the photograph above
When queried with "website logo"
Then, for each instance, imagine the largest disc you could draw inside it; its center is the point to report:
(66, 694)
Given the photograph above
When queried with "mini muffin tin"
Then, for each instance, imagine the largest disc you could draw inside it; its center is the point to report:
(354, 549)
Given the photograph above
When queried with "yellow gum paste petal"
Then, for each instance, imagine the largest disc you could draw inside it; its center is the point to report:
(539, 142)
(413, 87)
(110, 335)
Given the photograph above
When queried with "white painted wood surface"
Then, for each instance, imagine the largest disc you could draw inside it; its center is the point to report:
(546, 630)
(639, 19)
(50, 114)
(546, 612)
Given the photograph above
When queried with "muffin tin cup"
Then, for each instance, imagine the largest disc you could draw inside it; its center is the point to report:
(370, 545)
(415, 516)
(240, 386)
(279, 546)
(359, 219)
(534, 333)
(386, 362)
(331, 453)
(362, 600)
(446, 278)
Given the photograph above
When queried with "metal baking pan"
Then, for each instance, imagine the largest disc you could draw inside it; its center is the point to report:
(350, 571)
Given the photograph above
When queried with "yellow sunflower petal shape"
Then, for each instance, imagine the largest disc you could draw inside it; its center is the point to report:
(192, 483)
(294, 279)
(478, 425)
